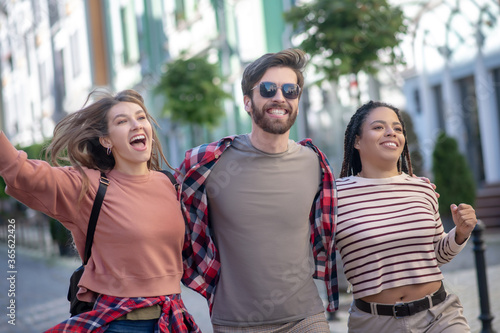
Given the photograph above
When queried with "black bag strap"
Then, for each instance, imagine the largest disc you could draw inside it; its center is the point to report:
(171, 177)
(176, 185)
(96, 208)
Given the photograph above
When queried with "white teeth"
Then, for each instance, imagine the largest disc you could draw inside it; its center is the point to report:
(277, 111)
(392, 144)
(138, 137)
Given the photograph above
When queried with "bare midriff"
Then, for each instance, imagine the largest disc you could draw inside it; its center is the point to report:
(404, 294)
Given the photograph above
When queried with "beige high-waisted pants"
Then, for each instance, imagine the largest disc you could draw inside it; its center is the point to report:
(446, 317)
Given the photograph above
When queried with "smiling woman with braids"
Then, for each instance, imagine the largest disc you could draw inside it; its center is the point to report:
(135, 268)
(389, 232)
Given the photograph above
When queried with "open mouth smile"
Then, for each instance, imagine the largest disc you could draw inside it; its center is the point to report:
(277, 112)
(390, 144)
(138, 142)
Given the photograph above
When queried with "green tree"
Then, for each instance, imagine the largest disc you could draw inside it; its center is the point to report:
(3, 195)
(347, 36)
(192, 92)
(62, 237)
(452, 175)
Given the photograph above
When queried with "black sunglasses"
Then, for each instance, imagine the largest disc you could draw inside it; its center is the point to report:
(269, 89)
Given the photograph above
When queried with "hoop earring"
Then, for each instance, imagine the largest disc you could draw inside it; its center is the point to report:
(108, 150)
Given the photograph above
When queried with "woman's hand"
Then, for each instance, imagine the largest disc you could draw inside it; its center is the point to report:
(464, 217)
(428, 181)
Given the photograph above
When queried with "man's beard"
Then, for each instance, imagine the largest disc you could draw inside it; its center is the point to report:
(271, 125)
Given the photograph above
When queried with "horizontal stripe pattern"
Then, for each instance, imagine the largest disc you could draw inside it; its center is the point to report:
(389, 233)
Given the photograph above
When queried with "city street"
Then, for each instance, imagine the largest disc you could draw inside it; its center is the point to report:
(289, 89)
(41, 284)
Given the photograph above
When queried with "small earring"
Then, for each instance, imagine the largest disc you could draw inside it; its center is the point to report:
(108, 150)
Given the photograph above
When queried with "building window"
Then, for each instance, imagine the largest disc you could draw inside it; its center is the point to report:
(470, 120)
(54, 12)
(129, 33)
(59, 75)
(418, 101)
(438, 98)
(180, 12)
(37, 11)
(496, 86)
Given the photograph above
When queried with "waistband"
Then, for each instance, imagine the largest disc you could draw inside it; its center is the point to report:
(399, 310)
(150, 312)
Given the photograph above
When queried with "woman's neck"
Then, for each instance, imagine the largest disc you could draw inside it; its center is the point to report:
(132, 169)
(378, 173)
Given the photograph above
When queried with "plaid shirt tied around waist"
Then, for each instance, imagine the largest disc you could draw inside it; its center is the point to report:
(201, 258)
(174, 317)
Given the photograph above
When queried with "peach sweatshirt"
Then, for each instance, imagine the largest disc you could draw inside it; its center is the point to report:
(139, 234)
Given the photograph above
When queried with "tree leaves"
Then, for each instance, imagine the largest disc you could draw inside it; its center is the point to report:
(345, 37)
(452, 175)
(192, 91)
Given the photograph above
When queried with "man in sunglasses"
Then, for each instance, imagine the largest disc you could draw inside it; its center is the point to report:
(260, 213)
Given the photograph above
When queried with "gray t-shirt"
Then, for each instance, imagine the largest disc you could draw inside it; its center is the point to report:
(259, 206)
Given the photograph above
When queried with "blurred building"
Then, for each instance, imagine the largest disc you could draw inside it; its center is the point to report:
(44, 65)
(74, 46)
(453, 86)
(130, 41)
(54, 52)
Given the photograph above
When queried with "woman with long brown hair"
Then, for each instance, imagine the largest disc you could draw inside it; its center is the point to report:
(135, 268)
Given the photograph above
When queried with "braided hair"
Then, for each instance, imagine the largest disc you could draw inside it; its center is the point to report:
(352, 162)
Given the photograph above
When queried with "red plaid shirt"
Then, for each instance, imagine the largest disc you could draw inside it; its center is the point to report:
(201, 259)
(174, 317)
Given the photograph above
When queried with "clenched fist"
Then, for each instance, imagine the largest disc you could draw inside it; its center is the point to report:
(464, 217)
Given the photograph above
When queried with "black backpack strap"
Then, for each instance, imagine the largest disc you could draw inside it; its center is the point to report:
(171, 177)
(96, 208)
(176, 185)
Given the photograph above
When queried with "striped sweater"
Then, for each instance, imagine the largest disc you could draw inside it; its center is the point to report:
(389, 233)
